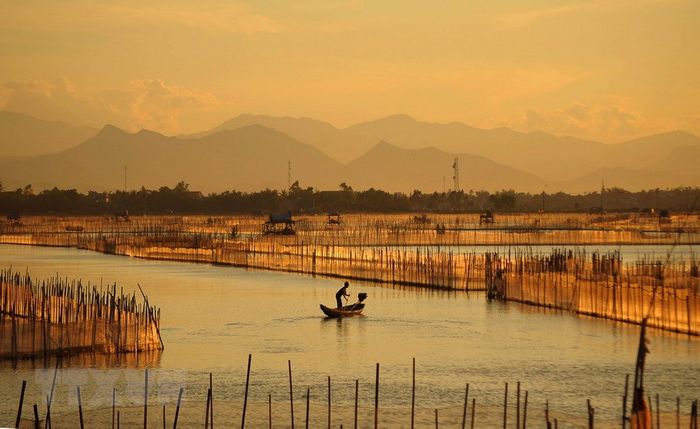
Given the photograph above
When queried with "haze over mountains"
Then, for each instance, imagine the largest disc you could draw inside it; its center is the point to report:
(23, 135)
(396, 153)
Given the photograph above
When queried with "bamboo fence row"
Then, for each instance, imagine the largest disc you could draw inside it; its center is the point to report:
(668, 295)
(603, 287)
(58, 316)
(398, 230)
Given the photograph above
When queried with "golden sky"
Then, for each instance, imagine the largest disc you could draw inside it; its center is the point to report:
(607, 70)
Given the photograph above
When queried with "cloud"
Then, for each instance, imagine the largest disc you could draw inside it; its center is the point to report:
(223, 17)
(533, 16)
(530, 16)
(151, 103)
(54, 100)
(579, 119)
(142, 103)
(230, 17)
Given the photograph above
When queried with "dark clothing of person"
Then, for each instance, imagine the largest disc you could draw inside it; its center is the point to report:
(339, 295)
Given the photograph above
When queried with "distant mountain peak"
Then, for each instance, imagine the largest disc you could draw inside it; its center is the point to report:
(250, 117)
(146, 132)
(399, 117)
(111, 130)
(255, 133)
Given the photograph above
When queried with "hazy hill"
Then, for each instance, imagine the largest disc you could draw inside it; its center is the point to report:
(625, 178)
(247, 159)
(684, 160)
(23, 135)
(551, 157)
(243, 154)
(250, 158)
(391, 168)
(329, 139)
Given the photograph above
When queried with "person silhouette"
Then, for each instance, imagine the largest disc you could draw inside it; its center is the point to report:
(342, 292)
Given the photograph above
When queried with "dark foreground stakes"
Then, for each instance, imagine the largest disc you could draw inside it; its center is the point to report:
(640, 412)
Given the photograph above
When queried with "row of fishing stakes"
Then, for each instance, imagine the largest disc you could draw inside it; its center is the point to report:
(57, 316)
(591, 284)
(468, 414)
(386, 229)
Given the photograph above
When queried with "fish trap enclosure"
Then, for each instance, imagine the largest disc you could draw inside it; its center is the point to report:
(601, 286)
(57, 316)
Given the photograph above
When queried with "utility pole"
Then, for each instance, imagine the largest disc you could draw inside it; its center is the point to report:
(124, 178)
(602, 189)
(455, 176)
(289, 175)
(542, 201)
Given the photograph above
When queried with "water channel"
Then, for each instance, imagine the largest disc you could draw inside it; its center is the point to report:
(214, 316)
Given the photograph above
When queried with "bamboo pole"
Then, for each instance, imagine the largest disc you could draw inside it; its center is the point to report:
(357, 384)
(245, 395)
(177, 409)
(36, 417)
(206, 415)
(517, 406)
(21, 401)
(464, 411)
(291, 394)
(114, 404)
(471, 424)
(624, 402)
(211, 403)
(80, 408)
(413, 392)
(505, 407)
(376, 399)
(308, 396)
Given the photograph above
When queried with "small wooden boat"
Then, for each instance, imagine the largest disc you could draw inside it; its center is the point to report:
(347, 311)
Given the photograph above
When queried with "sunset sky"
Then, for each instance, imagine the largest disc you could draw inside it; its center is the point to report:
(605, 70)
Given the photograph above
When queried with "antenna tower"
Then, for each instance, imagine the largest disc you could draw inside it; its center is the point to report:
(455, 176)
(289, 175)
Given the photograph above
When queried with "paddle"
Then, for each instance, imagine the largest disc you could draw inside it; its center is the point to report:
(353, 306)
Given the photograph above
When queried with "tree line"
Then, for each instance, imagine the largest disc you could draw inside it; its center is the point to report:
(181, 200)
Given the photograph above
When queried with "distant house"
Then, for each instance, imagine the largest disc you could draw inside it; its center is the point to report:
(279, 224)
(122, 216)
(421, 219)
(14, 218)
(486, 218)
(333, 218)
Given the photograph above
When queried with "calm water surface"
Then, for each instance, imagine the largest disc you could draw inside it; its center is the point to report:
(213, 317)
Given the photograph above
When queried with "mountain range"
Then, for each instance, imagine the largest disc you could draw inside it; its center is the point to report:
(396, 153)
(23, 135)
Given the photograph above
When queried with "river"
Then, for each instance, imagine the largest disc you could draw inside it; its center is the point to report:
(214, 316)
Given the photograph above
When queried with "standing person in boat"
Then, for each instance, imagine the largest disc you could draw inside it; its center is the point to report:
(342, 292)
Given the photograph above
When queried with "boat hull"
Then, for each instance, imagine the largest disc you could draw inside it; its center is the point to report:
(347, 311)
